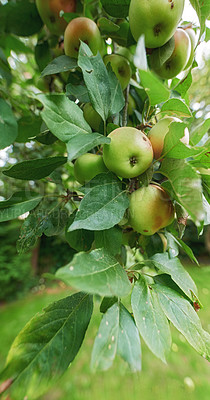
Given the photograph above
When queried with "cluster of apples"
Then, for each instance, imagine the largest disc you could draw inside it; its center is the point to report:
(158, 22)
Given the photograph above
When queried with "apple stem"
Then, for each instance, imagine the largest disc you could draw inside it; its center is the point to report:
(125, 110)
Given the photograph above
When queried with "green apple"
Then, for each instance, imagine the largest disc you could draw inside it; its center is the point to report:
(121, 67)
(179, 58)
(150, 209)
(193, 41)
(158, 132)
(92, 117)
(129, 154)
(87, 166)
(131, 105)
(157, 20)
(84, 29)
(49, 11)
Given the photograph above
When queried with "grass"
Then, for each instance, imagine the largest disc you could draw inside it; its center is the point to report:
(185, 376)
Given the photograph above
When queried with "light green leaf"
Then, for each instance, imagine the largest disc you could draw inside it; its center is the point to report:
(96, 79)
(103, 206)
(117, 335)
(199, 131)
(117, 98)
(60, 64)
(47, 345)
(177, 108)
(8, 125)
(150, 319)
(96, 272)
(183, 245)
(154, 88)
(183, 316)
(63, 117)
(82, 143)
(202, 9)
(20, 203)
(35, 169)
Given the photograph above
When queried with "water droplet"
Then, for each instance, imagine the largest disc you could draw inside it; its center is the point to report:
(71, 268)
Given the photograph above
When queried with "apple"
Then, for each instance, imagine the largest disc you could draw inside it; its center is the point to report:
(150, 209)
(49, 12)
(178, 60)
(158, 132)
(157, 20)
(121, 67)
(84, 29)
(131, 104)
(193, 41)
(92, 117)
(87, 166)
(129, 154)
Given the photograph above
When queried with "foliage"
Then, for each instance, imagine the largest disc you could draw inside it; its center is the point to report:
(48, 131)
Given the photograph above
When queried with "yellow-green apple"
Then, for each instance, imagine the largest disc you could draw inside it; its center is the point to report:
(49, 11)
(150, 209)
(129, 154)
(84, 29)
(158, 132)
(156, 19)
(193, 40)
(87, 166)
(178, 60)
(121, 67)
(92, 117)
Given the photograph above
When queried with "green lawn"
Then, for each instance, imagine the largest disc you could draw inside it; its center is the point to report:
(185, 376)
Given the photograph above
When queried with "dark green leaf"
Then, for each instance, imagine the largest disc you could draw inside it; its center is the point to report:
(47, 345)
(80, 240)
(42, 54)
(117, 98)
(60, 64)
(35, 169)
(103, 206)
(183, 245)
(96, 79)
(96, 272)
(202, 9)
(160, 55)
(18, 204)
(106, 303)
(150, 319)
(110, 239)
(63, 117)
(117, 335)
(183, 316)
(80, 92)
(107, 26)
(116, 8)
(8, 125)
(83, 142)
(28, 128)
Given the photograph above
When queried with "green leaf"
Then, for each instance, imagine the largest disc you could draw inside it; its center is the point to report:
(155, 89)
(110, 239)
(183, 316)
(160, 55)
(199, 131)
(96, 272)
(20, 18)
(116, 8)
(183, 85)
(42, 54)
(28, 127)
(47, 345)
(177, 108)
(186, 185)
(80, 92)
(117, 98)
(63, 117)
(103, 206)
(107, 26)
(20, 203)
(106, 303)
(117, 335)
(83, 142)
(50, 221)
(183, 246)
(80, 240)
(96, 79)
(8, 125)
(35, 169)
(60, 64)
(178, 273)
(150, 319)
(202, 9)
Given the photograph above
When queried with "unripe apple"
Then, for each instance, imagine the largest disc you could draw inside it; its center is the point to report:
(129, 154)
(131, 104)
(121, 67)
(193, 41)
(92, 117)
(87, 166)
(156, 19)
(158, 132)
(84, 29)
(150, 209)
(49, 11)
(179, 58)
